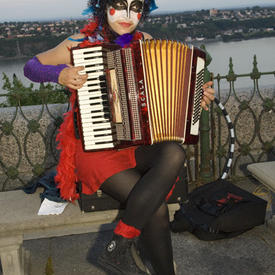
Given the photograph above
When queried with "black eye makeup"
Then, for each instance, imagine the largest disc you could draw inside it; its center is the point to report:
(136, 6)
(119, 4)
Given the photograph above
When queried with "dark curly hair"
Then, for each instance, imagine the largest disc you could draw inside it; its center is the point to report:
(100, 11)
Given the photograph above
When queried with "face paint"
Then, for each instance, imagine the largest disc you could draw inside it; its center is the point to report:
(123, 15)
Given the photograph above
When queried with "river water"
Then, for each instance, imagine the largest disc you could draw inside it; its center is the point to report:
(242, 53)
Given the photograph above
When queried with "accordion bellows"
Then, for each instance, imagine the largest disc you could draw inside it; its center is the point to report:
(145, 94)
(168, 75)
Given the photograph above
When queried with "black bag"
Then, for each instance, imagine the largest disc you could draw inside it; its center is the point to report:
(219, 210)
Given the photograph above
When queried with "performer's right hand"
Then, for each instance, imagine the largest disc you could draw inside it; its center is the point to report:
(71, 78)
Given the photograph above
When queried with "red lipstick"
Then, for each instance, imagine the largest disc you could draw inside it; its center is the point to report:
(125, 24)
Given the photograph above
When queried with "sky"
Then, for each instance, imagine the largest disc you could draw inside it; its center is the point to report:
(29, 10)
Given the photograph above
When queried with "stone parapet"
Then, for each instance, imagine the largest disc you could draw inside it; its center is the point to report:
(27, 141)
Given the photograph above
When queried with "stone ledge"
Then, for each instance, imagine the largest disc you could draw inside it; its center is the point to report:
(19, 216)
(264, 172)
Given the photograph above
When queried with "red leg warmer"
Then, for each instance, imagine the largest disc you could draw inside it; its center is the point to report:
(126, 231)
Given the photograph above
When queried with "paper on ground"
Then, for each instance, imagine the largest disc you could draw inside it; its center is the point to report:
(51, 207)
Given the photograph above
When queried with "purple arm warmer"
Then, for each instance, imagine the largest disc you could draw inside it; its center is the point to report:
(38, 72)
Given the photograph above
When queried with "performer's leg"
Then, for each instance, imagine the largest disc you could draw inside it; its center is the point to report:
(161, 164)
(156, 241)
(117, 256)
(155, 236)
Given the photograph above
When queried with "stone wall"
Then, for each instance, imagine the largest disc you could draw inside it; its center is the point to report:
(27, 142)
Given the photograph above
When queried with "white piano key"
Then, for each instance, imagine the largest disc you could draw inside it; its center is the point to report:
(94, 82)
(95, 74)
(92, 70)
(95, 61)
(94, 115)
(85, 96)
(94, 121)
(98, 139)
(99, 120)
(91, 88)
(92, 109)
(85, 99)
(94, 93)
(93, 99)
(85, 119)
(93, 136)
(99, 146)
(88, 132)
(90, 116)
(91, 66)
(88, 59)
(106, 125)
(88, 54)
(87, 92)
(92, 104)
(90, 125)
(90, 49)
(95, 103)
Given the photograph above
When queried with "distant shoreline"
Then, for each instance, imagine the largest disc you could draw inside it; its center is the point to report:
(194, 42)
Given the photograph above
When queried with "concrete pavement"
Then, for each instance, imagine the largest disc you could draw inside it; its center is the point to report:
(251, 253)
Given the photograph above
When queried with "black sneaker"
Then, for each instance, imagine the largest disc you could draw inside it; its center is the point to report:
(117, 257)
(142, 260)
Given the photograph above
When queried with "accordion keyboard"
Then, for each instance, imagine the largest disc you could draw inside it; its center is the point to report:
(94, 108)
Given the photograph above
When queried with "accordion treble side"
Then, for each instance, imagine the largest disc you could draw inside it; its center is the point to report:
(145, 94)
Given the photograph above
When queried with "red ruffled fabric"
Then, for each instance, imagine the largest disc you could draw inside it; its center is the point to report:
(89, 29)
(66, 177)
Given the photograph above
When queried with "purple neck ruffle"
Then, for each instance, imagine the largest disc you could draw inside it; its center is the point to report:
(124, 40)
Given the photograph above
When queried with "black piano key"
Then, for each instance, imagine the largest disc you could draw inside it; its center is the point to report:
(107, 116)
(106, 109)
(102, 78)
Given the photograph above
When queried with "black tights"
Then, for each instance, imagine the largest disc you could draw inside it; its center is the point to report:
(145, 188)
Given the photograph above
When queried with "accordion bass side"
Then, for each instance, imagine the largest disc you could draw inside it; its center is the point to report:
(148, 93)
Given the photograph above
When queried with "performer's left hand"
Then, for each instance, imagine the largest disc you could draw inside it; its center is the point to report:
(208, 95)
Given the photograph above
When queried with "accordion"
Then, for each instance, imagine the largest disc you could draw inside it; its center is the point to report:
(147, 93)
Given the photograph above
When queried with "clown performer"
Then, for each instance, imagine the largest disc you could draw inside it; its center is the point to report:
(141, 177)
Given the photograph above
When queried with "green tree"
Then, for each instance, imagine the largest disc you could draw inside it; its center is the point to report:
(18, 94)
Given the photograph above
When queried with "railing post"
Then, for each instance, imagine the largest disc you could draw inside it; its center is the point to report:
(206, 173)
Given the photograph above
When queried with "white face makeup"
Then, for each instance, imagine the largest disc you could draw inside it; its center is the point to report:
(123, 15)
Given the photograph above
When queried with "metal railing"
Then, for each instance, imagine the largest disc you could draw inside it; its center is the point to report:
(28, 147)
(252, 111)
